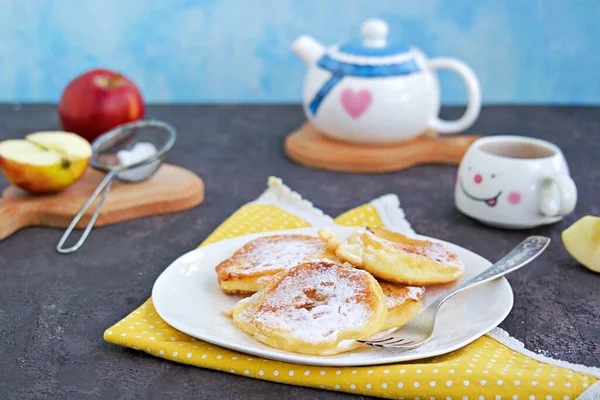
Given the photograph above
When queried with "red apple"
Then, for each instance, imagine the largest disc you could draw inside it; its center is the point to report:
(97, 101)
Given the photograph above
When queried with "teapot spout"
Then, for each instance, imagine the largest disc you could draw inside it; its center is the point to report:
(308, 49)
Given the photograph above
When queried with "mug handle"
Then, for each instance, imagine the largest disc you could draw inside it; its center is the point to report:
(555, 203)
(474, 95)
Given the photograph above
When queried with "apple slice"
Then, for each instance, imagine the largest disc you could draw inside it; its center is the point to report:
(582, 241)
(45, 162)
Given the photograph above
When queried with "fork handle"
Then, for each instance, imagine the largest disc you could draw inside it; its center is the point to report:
(523, 254)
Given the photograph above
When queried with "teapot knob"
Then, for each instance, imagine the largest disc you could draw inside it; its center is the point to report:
(374, 33)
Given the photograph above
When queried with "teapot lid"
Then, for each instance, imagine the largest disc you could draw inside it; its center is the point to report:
(374, 42)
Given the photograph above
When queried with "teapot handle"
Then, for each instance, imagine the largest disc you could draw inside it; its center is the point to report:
(474, 94)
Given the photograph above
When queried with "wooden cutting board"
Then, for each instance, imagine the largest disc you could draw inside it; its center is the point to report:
(171, 189)
(309, 147)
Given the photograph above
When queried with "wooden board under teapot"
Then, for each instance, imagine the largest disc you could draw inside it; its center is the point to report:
(307, 146)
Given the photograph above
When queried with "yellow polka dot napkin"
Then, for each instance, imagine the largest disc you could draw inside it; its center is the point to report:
(494, 366)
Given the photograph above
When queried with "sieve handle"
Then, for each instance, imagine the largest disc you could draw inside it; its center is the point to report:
(104, 185)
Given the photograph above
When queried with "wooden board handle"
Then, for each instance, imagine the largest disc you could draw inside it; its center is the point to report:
(14, 217)
(449, 149)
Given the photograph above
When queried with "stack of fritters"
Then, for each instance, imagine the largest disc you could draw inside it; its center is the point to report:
(316, 295)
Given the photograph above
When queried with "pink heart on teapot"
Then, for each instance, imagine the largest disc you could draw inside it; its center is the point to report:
(356, 103)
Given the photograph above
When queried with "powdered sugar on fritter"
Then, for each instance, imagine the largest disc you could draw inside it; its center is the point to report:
(425, 248)
(397, 297)
(415, 292)
(283, 252)
(314, 304)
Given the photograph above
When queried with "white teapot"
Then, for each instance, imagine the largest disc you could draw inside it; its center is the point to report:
(375, 92)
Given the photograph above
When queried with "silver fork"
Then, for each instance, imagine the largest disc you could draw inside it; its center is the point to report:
(420, 330)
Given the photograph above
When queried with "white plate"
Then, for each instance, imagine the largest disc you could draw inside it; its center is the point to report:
(187, 297)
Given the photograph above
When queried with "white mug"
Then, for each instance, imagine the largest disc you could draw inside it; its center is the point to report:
(514, 182)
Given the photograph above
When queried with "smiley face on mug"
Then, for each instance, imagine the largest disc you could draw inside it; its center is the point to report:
(489, 186)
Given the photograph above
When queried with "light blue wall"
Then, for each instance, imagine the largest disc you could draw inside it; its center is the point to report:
(524, 51)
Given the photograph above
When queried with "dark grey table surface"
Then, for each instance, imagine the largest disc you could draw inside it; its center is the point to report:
(54, 308)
